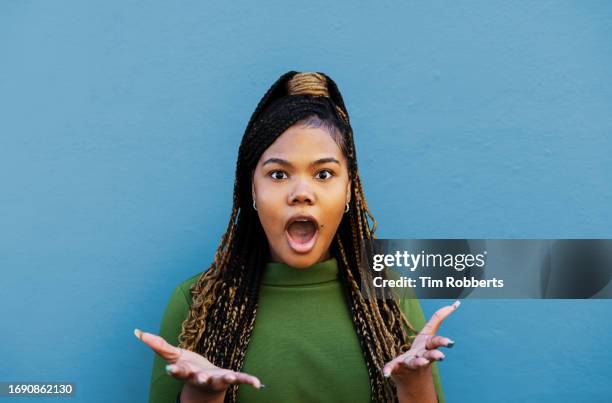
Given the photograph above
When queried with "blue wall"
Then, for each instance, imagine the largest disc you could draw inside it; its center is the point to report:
(119, 129)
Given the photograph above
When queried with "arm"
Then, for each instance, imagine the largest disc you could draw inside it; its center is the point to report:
(428, 380)
(418, 388)
(188, 377)
(164, 388)
(189, 394)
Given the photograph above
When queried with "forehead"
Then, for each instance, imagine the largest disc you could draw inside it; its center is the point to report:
(302, 142)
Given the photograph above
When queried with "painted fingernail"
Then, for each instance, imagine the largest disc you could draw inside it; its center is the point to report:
(450, 344)
(170, 369)
(456, 304)
(262, 386)
(138, 333)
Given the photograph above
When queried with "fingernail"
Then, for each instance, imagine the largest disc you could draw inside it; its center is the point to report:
(170, 369)
(456, 304)
(387, 374)
(262, 386)
(450, 344)
(137, 333)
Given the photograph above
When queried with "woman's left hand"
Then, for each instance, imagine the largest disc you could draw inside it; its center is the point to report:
(412, 370)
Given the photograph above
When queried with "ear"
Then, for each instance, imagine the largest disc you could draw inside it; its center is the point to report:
(348, 191)
(253, 182)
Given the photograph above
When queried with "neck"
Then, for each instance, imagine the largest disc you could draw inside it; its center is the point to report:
(274, 258)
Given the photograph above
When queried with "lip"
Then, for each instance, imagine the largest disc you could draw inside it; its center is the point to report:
(302, 247)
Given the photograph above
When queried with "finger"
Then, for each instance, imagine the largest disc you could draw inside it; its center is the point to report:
(248, 379)
(389, 368)
(434, 323)
(204, 378)
(433, 355)
(179, 371)
(201, 378)
(166, 350)
(414, 362)
(393, 365)
(229, 377)
(438, 341)
(221, 380)
(233, 377)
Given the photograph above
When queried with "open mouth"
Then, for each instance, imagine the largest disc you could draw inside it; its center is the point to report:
(302, 233)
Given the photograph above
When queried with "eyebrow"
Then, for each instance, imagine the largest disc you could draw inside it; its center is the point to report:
(283, 162)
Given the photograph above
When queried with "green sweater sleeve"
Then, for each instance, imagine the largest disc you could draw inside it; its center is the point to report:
(164, 388)
(414, 313)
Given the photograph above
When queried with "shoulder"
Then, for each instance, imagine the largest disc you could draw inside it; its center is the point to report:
(178, 304)
(177, 310)
(182, 290)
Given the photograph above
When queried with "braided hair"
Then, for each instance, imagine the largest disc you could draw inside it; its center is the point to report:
(224, 298)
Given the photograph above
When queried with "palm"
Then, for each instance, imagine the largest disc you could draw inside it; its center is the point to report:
(424, 348)
(194, 368)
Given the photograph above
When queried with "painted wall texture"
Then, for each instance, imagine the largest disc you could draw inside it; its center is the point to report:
(120, 123)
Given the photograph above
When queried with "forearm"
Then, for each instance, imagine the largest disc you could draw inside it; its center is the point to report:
(190, 394)
(418, 388)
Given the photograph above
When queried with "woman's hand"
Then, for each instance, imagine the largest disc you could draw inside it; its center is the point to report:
(411, 371)
(202, 378)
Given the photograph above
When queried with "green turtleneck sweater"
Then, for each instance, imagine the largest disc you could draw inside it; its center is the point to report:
(304, 346)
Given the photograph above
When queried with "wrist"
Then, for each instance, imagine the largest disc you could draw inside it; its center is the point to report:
(193, 394)
(416, 386)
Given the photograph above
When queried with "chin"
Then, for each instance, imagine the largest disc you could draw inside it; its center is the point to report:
(301, 261)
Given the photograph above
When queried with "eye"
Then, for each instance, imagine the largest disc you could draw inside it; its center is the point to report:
(274, 175)
(325, 170)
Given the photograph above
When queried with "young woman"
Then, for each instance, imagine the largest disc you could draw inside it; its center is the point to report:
(281, 302)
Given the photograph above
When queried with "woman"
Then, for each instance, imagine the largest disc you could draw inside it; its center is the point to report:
(281, 302)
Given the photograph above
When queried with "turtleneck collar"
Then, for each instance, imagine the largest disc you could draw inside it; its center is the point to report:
(283, 274)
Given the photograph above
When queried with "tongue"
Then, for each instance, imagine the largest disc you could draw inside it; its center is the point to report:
(302, 231)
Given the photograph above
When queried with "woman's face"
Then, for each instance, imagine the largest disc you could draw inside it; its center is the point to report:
(303, 173)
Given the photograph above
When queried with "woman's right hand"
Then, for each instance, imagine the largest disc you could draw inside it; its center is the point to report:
(201, 377)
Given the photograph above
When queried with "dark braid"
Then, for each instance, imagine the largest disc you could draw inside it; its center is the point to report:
(222, 315)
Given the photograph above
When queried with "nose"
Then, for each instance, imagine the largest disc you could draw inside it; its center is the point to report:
(302, 193)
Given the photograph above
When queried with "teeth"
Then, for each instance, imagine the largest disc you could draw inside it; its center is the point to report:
(304, 220)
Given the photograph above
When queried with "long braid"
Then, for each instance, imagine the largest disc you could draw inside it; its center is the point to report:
(224, 298)
(381, 334)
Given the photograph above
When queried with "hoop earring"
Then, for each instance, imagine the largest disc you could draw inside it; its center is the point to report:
(347, 208)
(254, 205)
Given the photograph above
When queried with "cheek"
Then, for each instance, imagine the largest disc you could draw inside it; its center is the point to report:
(269, 206)
(333, 211)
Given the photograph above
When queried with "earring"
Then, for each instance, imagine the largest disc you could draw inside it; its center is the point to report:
(347, 208)
(254, 205)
